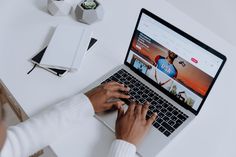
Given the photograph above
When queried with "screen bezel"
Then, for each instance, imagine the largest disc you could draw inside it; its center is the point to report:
(187, 36)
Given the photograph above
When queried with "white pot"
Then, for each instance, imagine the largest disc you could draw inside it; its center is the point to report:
(89, 16)
(59, 7)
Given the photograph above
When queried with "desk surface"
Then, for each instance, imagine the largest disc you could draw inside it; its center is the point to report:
(25, 27)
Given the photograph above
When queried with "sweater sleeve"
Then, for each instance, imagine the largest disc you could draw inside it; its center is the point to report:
(41, 130)
(120, 148)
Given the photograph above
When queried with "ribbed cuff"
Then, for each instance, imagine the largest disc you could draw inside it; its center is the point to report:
(120, 148)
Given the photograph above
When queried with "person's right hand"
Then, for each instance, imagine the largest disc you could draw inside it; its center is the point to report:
(132, 125)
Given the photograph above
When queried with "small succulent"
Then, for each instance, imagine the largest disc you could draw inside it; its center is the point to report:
(89, 4)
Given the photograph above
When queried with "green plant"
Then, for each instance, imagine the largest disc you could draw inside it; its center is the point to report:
(89, 4)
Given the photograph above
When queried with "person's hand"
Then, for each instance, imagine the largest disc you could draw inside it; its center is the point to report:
(131, 126)
(102, 97)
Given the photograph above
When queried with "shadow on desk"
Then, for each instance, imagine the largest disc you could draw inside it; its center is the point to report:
(41, 5)
(14, 115)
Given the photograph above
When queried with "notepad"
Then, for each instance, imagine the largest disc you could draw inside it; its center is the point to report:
(67, 47)
(59, 72)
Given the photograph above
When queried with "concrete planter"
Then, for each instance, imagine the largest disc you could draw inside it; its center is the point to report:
(89, 16)
(59, 7)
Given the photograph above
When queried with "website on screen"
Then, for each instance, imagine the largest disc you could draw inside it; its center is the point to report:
(178, 65)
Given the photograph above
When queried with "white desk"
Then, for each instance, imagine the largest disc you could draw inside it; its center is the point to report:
(24, 26)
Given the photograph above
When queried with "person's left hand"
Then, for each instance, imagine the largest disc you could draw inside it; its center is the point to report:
(101, 96)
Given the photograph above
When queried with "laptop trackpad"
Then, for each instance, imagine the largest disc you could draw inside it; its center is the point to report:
(109, 118)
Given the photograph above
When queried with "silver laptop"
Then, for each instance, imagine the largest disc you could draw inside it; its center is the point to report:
(168, 68)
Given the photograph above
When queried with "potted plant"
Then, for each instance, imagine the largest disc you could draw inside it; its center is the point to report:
(58, 7)
(89, 11)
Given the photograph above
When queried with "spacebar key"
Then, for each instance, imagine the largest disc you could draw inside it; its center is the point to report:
(167, 126)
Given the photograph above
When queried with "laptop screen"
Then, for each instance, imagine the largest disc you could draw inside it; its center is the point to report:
(177, 65)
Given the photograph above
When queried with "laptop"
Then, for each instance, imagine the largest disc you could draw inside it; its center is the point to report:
(171, 70)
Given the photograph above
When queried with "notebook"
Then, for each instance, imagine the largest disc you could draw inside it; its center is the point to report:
(59, 72)
(66, 48)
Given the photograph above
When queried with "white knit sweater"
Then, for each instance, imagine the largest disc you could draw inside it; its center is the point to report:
(28, 137)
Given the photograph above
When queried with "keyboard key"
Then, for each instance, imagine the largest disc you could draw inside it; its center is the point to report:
(121, 80)
(167, 126)
(170, 109)
(163, 110)
(149, 99)
(132, 93)
(142, 88)
(142, 100)
(167, 133)
(156, 125)
(181, 117)
(137, 96)
(155, 110)
(135, 89)
(137, 84)
(177, 124)
(165, 105)
(146, 91)
(151, 107)
(124, 74)
(160, 115)
(144, 96)
(129, 78)
(121, 71)
(159, 120)
(158, 107)
(173, 118)
(155, 97)
(154, 102)
(161, 129)
(175, 112)
(132, 81)
(140, 92)
(159, 101)
(151, 94)
(131, 85)
(168, 114)
(117, 75)
(166, 118)
(127, 83)
(171, 122)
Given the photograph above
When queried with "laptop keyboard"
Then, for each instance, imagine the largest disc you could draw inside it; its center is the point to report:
(169, 117)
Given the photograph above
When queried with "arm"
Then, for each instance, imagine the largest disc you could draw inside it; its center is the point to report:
(39, 131)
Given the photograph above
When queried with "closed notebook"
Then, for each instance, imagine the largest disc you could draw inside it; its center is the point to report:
(67, 47)
(59, 72)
